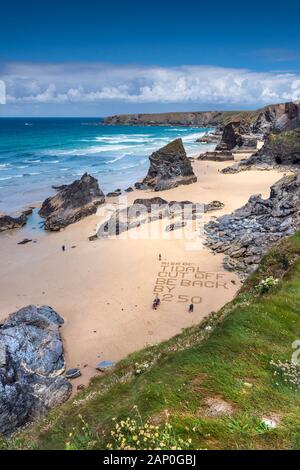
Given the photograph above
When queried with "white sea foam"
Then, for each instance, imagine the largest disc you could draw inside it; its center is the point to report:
(190, 138)
(119, 157)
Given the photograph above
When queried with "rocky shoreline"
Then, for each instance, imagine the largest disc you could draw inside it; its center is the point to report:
(248, 233)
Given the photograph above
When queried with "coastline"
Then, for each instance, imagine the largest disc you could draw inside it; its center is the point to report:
(104, 289)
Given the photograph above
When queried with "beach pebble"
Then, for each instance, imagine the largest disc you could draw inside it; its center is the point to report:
(73, 373)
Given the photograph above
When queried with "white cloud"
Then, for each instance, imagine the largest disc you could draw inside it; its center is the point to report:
(38, 83)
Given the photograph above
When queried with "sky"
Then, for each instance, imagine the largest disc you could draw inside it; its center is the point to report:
(95, 58)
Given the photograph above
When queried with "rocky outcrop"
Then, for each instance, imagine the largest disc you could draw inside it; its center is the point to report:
(244, 133)
(232, 136)
(222, 156)
(144, 211)
(281, 117)
(246, 234)
(169, 168)
(210, 138)
(31, 364)
(72, 203)
(281, 150)
(8, 222)
(237, 135)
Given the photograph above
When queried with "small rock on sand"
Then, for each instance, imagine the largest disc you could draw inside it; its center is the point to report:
(104, 365)
(73, 373)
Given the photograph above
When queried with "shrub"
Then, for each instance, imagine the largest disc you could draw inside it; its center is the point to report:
(266, 284)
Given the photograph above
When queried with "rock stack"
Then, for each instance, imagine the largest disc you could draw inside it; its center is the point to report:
(169, 168)
(72, 203)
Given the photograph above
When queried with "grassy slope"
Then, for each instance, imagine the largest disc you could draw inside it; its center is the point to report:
(247, 334)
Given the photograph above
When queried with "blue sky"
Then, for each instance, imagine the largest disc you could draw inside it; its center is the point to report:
(96, 58)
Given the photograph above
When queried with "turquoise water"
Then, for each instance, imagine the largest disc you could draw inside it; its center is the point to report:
(38, 153)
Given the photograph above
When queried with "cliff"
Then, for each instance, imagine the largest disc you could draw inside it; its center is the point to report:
(201, 119)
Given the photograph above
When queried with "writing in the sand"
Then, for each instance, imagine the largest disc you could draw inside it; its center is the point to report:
(189, 278)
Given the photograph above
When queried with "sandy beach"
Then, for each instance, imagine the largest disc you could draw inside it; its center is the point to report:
(104, 289)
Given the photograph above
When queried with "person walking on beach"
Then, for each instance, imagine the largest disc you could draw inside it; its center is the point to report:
(191, 308)
(63, 248)
(156, 303)
(159, 257)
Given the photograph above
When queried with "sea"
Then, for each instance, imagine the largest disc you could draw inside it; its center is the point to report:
(38, 153)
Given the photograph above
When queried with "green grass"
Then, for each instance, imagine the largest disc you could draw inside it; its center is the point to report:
(229, 361)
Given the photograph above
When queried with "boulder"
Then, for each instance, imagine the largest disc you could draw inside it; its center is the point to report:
(8, 222)
(115, 193)
(72, 203)
(175, 226)
(281, 117)
(31, 366)
(169, 168)
(213, 206)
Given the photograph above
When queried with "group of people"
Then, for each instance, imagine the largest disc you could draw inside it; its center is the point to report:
(156, 303)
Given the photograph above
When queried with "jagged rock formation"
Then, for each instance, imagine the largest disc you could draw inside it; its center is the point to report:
(233, 136)
(144, 211)
(223, 156)
(245, 133)
(246, 234)
(31, 364)
(280, 150)
(72, 203)
(281, 117)
(8, 222)
(169, 168)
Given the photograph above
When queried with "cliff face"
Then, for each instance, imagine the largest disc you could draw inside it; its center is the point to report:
(282, 116)
(244, 133)
(201, 119)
